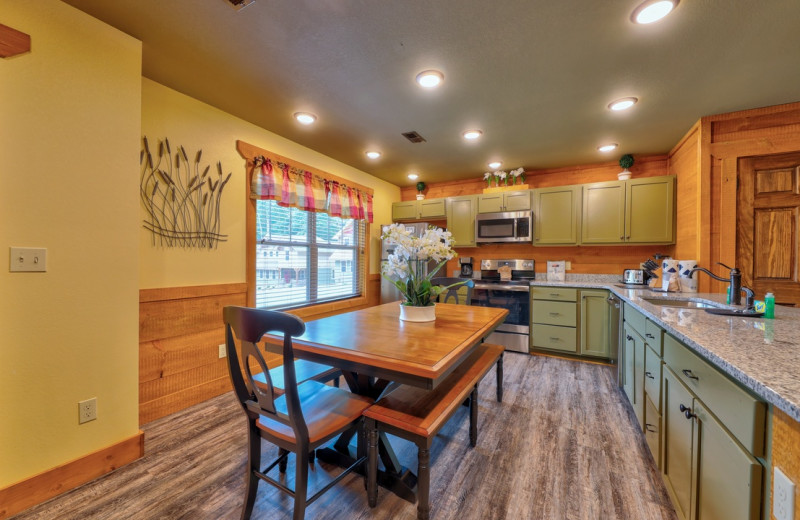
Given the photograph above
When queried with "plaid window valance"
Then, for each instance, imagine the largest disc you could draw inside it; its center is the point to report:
(300, 188)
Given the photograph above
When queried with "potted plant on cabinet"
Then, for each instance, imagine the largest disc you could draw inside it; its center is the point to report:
(420, 189)
(626, 161)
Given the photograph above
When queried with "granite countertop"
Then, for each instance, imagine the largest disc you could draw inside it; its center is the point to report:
(763, 355)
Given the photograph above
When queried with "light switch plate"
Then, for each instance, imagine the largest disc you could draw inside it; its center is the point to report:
(782, 496)
(27, 259)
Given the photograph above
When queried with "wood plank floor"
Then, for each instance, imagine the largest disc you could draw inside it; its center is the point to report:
(564, 444)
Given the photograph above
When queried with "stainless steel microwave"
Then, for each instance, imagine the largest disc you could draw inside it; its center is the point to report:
(509, 226)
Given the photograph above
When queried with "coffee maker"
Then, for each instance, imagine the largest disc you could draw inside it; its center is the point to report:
(466, 266)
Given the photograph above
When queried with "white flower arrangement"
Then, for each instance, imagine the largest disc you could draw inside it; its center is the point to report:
(519, 173)
(405, 268)
(488, 176)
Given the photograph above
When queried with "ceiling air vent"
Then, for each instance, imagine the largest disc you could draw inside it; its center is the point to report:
(239, 4)
(414, 137)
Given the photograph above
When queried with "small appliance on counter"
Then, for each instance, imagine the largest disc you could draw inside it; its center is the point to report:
(634, 277)
(466, 266)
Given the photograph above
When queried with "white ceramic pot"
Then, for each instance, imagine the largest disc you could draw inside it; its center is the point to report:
(420, 196)
(624, 174)
(411, 313)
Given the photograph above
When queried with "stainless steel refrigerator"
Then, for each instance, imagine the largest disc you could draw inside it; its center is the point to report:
(390, 293)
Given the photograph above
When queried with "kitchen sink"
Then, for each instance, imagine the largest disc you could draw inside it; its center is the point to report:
(736, 312)
(684, 304)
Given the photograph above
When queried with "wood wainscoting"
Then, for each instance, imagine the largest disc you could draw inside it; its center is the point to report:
(180, 330)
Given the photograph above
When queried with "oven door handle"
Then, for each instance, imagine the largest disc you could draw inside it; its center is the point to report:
(500, 287)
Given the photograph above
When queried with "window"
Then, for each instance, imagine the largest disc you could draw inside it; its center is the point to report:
(310, 257)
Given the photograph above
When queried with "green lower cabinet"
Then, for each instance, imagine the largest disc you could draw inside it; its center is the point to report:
(594, 323)
(461, 213)
(677, 444)
(652, 428)
(633, 359)
(708, 473)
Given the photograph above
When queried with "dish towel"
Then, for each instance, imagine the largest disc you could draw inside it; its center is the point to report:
(669, 275)
(687, 277)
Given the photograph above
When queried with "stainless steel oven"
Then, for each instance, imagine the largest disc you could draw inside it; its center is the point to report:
(514, 294)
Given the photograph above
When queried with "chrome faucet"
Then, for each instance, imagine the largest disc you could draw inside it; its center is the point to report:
(735, 285)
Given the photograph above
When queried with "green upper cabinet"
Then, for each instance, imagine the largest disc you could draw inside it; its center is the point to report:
(461, 213)
(504, 201)
(650, 210)
(640, 211)
(603, 219)
(557, 215)
(419, 209)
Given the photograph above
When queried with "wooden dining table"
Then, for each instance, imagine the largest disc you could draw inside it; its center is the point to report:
(374, 349)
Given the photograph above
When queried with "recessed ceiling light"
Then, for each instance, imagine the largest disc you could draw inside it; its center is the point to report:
(305, 118)
(622, 103)
(652, 11)
(495, 164)
(413, 176)
(373, 154)
(607, 147)
(430, 78)
(472, 134)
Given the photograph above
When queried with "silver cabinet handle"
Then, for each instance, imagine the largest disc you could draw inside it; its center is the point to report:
(555, 314)
(555, 339)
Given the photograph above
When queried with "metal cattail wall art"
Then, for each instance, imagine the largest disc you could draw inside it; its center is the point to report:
(182, 203)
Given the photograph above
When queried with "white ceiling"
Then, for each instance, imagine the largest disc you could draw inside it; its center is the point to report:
(534, 75)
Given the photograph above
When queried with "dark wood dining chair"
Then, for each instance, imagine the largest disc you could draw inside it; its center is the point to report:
(458, 296)
(304, 418)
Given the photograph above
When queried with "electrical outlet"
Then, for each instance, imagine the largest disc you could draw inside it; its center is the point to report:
(87, 410)
(568, 266)
(31, 259)
(782, 496)
(222, 351)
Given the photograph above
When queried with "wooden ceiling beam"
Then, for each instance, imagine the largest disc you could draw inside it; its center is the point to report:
(13, 42)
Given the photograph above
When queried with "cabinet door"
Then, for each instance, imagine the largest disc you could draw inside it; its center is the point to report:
(490, 203)
(594, 323)
(431, 208)
(649, 210)
(461, 219)
(652, 429)
(627, 363)
(677, 444)
(405, 210)
(556, 215)
(603, 220)
(728, 478)
(517, 201)
(652, 376)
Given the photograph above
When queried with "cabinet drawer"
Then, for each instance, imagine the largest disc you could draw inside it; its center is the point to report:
(554, 293)
(635, 319)
(554, 313)
(652, 376)
(654, 336)
(742, 414)
(652, 429)
(556, 338)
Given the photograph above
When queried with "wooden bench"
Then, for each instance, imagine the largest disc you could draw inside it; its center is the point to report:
(417, 415)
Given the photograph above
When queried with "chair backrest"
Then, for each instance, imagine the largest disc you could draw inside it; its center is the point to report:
(460, 294)
(249, 326)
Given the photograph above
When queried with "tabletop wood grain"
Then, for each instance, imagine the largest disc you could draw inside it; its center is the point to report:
(375, 342)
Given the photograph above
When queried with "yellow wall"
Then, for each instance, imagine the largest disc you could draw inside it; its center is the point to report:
(185, 121)
(69, 125)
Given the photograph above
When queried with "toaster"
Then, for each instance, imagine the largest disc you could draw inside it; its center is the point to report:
(634, 277)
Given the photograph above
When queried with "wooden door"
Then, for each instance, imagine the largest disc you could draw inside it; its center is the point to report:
(768, 214)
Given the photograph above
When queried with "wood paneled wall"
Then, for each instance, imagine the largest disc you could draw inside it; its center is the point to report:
(786, 453)
(726, 139)
(180, 330)
(584, 259)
